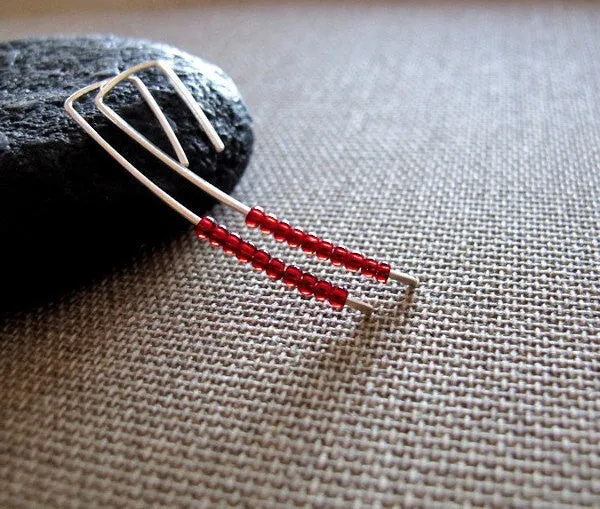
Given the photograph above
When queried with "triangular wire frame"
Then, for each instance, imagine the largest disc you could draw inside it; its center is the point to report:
(207, 187)
(179, 166)
(181, 90)
(116, 155)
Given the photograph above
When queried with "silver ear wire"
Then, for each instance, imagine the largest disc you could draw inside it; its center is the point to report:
(180, 167)
(184, 93)
(159, 192)
(115, 154)
(324, 250)
(179, 87)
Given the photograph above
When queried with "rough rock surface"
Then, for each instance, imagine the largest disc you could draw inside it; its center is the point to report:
(67, 209)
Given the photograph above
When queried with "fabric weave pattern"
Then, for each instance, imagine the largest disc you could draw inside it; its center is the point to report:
(459, 142)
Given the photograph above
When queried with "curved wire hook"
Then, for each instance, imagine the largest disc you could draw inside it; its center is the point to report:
(115, 154)
(179, 87)
(184, 93)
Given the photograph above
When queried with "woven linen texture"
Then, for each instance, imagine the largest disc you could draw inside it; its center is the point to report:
(461, 143)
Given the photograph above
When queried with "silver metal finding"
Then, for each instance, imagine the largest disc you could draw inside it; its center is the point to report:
(162, 119)
(115, 154)
(359, 305)
(179, 87)
(181, 164)
(404, 278)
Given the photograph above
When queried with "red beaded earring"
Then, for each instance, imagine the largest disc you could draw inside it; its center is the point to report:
(218, 235)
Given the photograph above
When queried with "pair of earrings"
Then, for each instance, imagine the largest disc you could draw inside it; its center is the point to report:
(205, 227)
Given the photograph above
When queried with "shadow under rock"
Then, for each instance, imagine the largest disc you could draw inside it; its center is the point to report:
(92, 256)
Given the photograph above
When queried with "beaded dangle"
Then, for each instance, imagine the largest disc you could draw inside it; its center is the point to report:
(218, 235)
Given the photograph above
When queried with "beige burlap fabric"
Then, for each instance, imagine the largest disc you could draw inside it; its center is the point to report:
(461, 142)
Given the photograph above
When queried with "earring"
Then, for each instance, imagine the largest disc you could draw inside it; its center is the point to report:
(205, 227)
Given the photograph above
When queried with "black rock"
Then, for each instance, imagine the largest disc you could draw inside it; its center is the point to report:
(67, 209)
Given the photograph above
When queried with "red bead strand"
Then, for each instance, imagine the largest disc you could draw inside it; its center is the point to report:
(231, 244)
(261, 260)
(311, 245)
(295, 238)
(275, 269)
(282, 232)
(218, 236)
(370, 268)
(354, 262)
(324, 250)
(292, 276)
(323, 290)
(204, 227)
(245, 252)
(383, 272)
(254, 218)
(307, 284)
(338, 297)
(338, 255)
(268, 224)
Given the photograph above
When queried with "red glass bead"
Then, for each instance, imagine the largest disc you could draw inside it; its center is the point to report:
(322, 290)
(307, 284)
(254, 218)
(370, 268)
(268, 224)
(260, 260)
(295, 237)
(275, 269)
(218, 236)
(324, 250)
(292, 276)
(245, 252)
(309, 244)
(354, 262)
(282, 231)
(338, 297)
(338, 256)
(383, 272)
(231, 244)
(204, 227)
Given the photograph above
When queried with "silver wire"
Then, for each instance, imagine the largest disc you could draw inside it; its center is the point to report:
(359, 305)
(164, 196)
(181, 89)
(180, 166)
(162, 119)
(404, 278)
